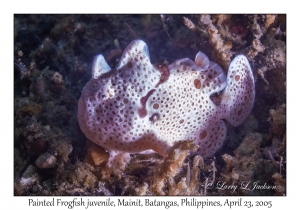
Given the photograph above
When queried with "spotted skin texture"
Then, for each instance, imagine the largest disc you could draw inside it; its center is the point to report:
(138, 107)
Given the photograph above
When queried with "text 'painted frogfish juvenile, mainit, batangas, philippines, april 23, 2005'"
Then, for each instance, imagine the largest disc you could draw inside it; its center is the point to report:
(138, 107)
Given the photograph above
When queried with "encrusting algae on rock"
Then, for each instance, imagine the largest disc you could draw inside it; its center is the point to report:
(138, 107)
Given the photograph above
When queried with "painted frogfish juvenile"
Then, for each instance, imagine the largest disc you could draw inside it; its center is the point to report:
(139, 107)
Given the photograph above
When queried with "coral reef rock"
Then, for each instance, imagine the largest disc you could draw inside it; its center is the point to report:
(140, 107)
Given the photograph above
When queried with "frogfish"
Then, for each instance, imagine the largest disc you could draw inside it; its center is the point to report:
(139, 107)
